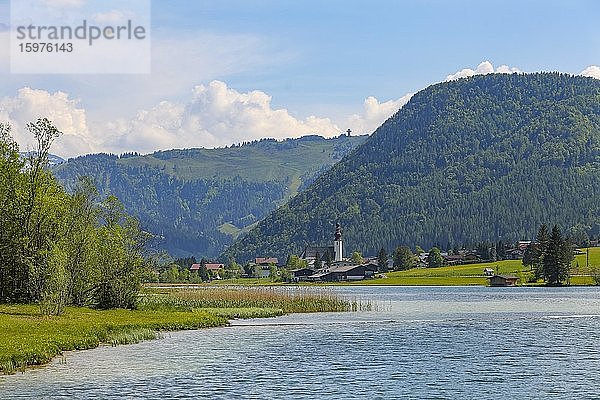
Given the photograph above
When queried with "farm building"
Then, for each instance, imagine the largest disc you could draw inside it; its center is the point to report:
(503, 280)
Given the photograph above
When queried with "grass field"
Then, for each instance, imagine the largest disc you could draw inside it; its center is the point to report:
(473, 274)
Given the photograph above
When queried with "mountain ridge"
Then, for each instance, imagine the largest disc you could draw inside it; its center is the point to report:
(451, 168)
(198, 200)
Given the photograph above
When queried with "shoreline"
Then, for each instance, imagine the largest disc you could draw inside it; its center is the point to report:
(30, 340)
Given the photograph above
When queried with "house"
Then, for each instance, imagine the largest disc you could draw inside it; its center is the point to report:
(454, 259)
(523, 244)
(344, 273)
(301, 275)
(514, 254)
(310, 253)
(209, 266)
(503, 280)
(266, 261)
(212, 268)
(262, 266)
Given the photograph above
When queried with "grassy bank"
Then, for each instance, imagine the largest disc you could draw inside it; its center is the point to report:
(27, 338)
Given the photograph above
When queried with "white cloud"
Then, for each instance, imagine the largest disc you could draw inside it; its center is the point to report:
(375, 113)
(483, 68)
(64, 3)
(592, 71)
(111, 17)
(212, 115)
(29, 105)
(216, 115)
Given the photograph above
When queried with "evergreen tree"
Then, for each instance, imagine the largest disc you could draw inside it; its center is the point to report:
(203, 271)
(328, 259)
(403, 258)
(435, 258)
(500, 250)
(557, 258)
(541, 245)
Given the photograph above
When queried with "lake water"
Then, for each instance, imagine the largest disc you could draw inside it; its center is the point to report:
(423, 343)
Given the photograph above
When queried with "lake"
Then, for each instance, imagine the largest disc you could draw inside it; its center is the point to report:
(422, 343)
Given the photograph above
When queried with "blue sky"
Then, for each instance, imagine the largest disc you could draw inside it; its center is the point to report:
(313, 58)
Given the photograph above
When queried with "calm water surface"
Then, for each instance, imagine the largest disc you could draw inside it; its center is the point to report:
(424, 343)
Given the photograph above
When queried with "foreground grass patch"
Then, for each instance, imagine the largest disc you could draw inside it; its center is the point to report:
(26, 338)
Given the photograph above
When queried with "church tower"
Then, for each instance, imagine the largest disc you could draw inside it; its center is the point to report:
(337, 243)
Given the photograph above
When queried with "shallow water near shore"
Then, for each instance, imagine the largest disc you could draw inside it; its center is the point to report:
(422, 342)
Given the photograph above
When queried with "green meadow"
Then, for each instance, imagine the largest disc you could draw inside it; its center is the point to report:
(472, 274)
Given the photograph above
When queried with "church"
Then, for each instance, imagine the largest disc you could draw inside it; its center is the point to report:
(327, 263)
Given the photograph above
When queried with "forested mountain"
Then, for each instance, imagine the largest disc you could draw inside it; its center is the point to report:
(198, 200)
(483, 158)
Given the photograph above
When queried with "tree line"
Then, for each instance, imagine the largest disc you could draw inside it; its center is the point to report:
(59, 248)
(550, 256)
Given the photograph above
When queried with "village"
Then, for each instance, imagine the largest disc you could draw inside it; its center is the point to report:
(329, 263)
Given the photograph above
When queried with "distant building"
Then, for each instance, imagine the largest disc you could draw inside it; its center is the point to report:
(344, 273)
(302, 274)
(267, 261)
(503, 280)
(333, 253)
(523, 244)
(211, 267)
(310, 253)
(514, 254)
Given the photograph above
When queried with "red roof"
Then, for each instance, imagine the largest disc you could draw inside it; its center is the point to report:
(212, 267)
(266, 260)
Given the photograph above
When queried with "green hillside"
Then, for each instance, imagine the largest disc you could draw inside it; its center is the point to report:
(484, 158)
(198, 200)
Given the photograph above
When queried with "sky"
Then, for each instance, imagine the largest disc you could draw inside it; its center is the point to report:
(225, 72)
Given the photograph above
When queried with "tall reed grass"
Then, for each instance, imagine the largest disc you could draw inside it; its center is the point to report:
(287, 299)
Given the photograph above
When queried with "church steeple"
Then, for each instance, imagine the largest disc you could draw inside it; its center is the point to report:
(337, 243)
(338, 231)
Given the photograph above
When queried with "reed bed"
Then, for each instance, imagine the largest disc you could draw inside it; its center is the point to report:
(287, 299)
(28, 338)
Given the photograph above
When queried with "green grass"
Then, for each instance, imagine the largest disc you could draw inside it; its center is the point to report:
(581, 261)
(257, 163)
(473, 274)
(233, 231)
(27, 338)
